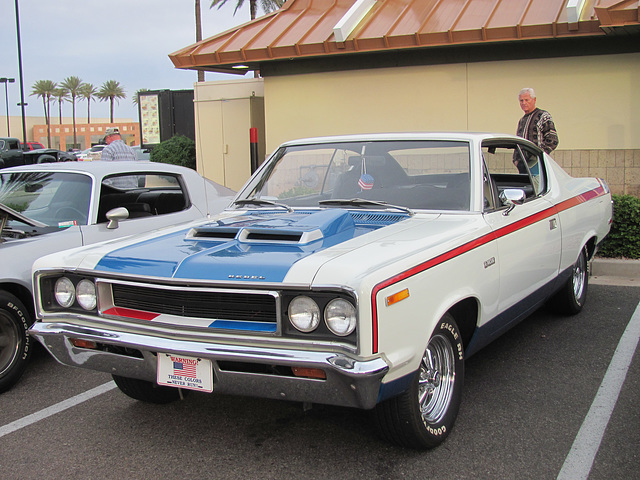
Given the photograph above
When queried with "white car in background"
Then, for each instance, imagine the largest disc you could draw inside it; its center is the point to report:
(90, 154)
(46, 208)
(358, 271)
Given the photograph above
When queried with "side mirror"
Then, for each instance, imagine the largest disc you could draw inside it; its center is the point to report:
(512, 197)
(115, 215)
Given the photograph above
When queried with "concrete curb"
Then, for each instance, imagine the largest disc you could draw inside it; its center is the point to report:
(615, 271)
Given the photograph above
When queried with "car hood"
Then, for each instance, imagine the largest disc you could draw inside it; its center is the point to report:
(254, 247)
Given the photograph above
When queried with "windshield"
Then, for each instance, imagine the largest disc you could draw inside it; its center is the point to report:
(53, 198)
(414, 174)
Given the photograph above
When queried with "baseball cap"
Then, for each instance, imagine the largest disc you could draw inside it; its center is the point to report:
(112, 131)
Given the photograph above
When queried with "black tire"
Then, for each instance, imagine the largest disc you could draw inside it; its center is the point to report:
(46, 159)
(15, 343)
(572, 296)
(144, 391)
(423, 416)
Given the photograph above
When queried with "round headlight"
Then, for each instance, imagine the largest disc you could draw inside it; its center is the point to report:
(340, 317)
(65, 292)
(86, 294)
(304, 314)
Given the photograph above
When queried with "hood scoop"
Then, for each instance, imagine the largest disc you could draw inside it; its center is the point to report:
(296, 228)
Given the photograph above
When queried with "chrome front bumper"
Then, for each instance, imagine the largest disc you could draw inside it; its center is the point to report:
(349, 381)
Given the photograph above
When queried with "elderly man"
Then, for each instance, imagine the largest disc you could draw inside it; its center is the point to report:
(116, 149)
(536, 125)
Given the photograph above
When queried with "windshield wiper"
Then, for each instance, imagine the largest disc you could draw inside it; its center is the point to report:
(259, 201)
(360, 202)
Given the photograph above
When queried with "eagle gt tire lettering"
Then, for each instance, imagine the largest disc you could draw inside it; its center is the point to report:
(423, 416)
(15, 343)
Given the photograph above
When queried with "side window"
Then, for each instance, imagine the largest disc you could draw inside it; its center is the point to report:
(514, 166)
(143, 195)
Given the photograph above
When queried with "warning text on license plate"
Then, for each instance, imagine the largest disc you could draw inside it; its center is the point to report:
(185, 372)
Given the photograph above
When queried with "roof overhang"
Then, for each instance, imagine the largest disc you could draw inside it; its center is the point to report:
(306, 29)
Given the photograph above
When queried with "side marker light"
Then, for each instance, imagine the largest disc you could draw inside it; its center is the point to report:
(397, 297)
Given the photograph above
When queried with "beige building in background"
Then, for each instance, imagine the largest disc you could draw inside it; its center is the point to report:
(87, 134)
(407, 65)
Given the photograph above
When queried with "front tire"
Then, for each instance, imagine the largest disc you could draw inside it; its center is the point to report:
(572, 296)
(144, 391)
(15, 343)
(423, 416)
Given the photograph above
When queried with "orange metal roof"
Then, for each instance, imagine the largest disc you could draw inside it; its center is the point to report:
(304, 28)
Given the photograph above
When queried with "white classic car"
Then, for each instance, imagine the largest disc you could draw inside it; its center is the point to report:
(45, 208)
(357, 271)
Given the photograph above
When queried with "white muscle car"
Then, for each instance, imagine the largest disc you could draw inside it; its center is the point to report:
(358, 271)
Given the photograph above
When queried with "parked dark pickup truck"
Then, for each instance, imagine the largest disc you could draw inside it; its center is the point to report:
(12, 154)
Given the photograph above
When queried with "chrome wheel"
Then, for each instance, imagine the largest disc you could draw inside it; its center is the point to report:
(436, 379)
(572, 295)
(437, 387)
(579, 278)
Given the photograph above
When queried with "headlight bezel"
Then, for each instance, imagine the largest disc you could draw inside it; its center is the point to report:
(49, 301)
(322, 332)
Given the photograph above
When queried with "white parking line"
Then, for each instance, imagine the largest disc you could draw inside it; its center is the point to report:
(583, 452)
(57, 408)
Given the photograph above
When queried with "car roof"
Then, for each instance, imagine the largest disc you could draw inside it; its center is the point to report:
(450, 136)
(100, 168)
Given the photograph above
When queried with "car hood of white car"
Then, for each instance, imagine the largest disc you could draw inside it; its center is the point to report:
(258, 246)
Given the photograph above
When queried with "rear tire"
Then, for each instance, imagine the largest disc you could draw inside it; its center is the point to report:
(15, 343)
(423, 416)
(144, 391)
(572, 296)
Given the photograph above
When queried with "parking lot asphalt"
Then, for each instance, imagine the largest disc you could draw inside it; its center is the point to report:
(528, 395)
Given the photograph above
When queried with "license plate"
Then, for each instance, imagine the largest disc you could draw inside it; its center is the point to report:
(185, 372)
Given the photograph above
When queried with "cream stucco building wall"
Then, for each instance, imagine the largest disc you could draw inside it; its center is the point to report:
(594, 100)
(224, 113)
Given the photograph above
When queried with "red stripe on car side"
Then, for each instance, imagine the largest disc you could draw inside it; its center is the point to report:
(506, 230)
(129, 313)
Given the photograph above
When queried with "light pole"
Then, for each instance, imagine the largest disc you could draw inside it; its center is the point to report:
(22, 104)
(6, 98)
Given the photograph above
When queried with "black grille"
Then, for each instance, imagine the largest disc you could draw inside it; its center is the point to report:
(248, 307)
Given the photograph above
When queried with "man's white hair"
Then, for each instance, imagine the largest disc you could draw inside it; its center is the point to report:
(529, 91)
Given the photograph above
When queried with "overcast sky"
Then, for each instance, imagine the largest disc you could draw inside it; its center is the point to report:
(124, 40)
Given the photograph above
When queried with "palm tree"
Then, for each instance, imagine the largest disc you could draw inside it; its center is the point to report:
(61, 96)
(267, 5)
(45, 89)
(111, 90)
(88, 92)
(72, 86)
(136, 98)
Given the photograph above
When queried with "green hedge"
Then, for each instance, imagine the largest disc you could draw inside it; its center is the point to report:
(624, 238)
(178, 150)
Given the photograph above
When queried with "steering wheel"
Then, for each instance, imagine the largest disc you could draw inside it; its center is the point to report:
(70, 213)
